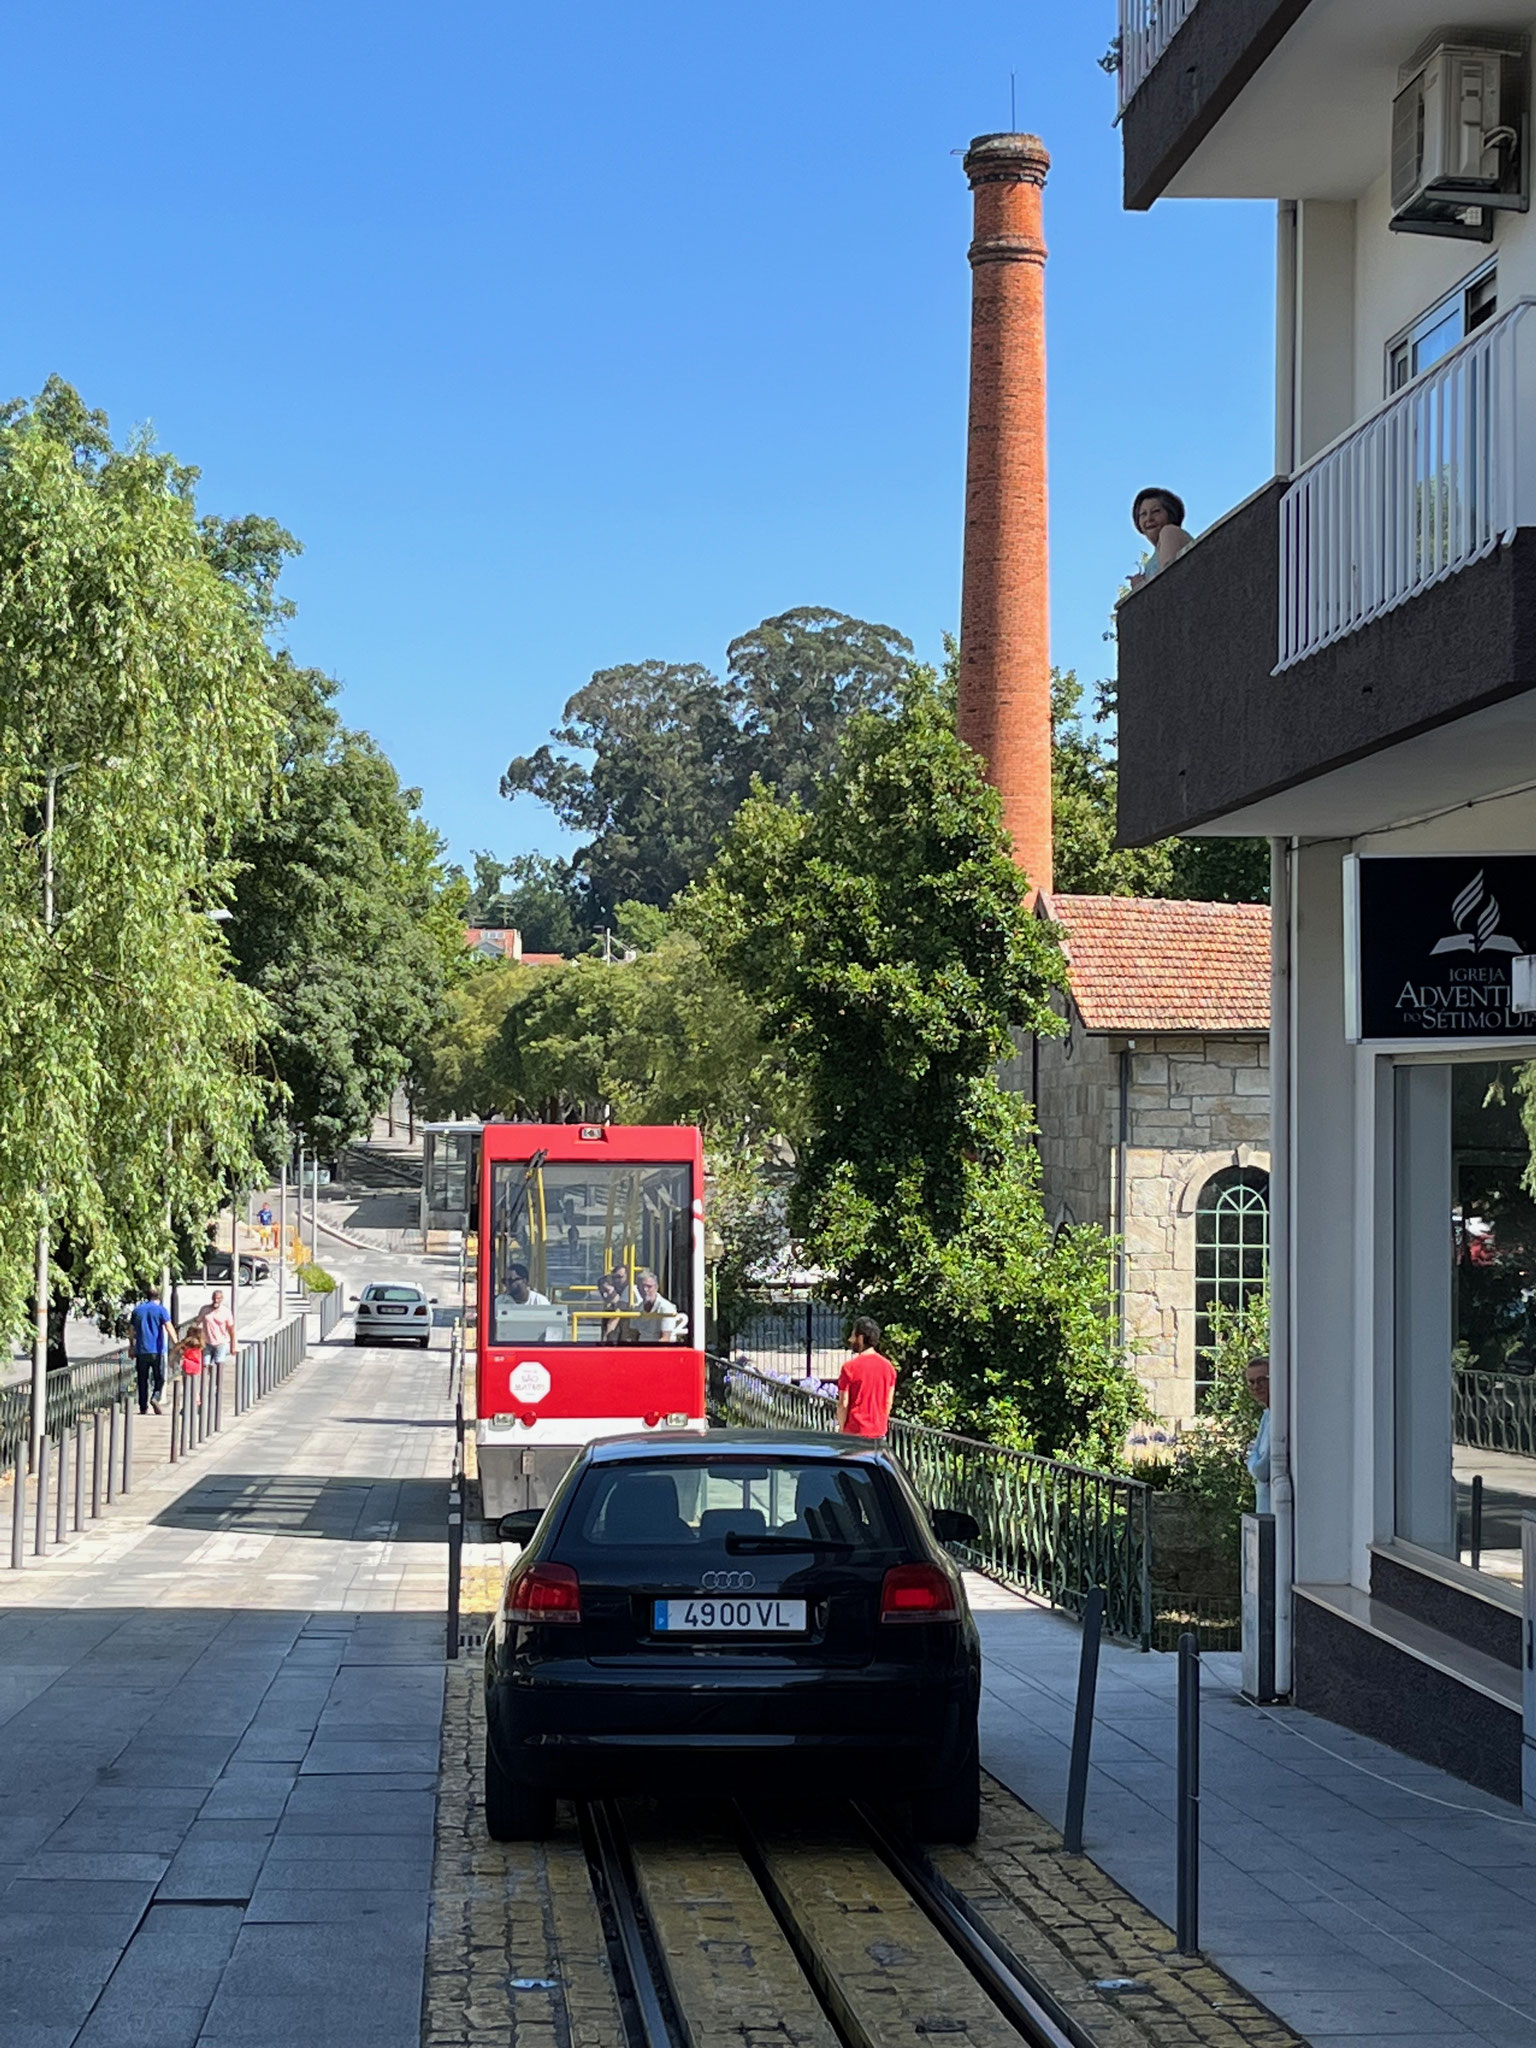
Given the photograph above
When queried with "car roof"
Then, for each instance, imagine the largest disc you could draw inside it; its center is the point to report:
(747, 1444)
(400, 1286)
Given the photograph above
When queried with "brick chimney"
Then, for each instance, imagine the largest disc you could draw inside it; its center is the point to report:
(1005, 644)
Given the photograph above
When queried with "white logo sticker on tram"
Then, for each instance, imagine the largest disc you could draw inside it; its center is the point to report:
(530, 1380)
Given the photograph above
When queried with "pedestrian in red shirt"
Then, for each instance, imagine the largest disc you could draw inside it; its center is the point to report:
(866, 1384)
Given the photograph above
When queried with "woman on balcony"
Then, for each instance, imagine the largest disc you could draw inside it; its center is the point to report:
(1158, 517)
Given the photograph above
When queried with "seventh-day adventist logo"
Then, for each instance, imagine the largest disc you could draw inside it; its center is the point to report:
(1475, 914)
(1429, 945)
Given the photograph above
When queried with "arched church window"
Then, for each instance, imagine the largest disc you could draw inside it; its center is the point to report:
(1231, 1254)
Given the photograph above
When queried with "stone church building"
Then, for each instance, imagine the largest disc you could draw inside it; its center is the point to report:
(1153, 1113)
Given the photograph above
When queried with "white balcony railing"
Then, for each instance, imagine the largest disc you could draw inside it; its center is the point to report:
(1146, 29)
(1432, 481)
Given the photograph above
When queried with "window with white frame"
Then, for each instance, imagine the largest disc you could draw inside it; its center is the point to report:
(1449, 321)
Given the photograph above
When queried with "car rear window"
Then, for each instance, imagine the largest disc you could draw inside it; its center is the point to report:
(696, 1506)
(394, 1294)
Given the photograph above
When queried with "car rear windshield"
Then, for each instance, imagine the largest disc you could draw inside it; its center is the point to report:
(694, 1507)
(394, 1294)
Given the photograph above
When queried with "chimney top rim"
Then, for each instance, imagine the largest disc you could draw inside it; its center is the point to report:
(1009, 143)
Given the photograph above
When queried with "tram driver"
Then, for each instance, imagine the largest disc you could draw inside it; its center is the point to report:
(518, 1295)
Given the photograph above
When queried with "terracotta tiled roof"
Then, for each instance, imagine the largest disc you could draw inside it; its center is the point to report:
(1137, 963)
(543, 959)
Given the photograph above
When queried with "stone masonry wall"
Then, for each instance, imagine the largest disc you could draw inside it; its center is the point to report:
(1197, 1105)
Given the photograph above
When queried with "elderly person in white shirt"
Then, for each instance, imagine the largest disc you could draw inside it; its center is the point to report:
(1257, 1459)
(659, 1321)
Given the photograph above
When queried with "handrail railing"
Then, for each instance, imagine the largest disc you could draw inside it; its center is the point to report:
(1495, 1411)
(1434, 479)
(97, 1385)
(1147, 27)
(1049, 1527)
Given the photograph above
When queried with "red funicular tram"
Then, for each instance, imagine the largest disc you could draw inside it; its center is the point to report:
(590, 1295)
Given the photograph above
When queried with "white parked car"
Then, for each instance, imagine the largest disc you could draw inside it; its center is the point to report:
(388, 1313)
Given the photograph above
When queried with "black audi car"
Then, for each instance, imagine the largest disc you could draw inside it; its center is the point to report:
(738, 1610)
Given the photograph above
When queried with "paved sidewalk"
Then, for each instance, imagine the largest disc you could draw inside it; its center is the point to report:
(1369, 1901)
(219, 1729)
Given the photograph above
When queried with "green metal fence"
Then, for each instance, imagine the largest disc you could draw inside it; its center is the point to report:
(1047, 1527)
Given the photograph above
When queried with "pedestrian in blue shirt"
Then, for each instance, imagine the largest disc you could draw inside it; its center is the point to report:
(151, 1332)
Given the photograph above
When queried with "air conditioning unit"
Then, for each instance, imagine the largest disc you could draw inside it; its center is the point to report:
(1459, 138)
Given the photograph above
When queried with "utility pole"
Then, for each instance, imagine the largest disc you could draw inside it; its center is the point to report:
(282, 1237)
(40, 1332)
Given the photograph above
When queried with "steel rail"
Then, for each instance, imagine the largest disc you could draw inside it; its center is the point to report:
(1027, 2005)
(603, 1831)
(1013, 1988)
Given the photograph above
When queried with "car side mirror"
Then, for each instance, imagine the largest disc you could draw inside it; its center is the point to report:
(432, 1301)
(518, 1527)
(954, 1525)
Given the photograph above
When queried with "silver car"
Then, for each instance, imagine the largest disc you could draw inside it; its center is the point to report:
(389, 1313)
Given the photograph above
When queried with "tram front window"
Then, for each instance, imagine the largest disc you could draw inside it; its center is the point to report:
(597, 1254)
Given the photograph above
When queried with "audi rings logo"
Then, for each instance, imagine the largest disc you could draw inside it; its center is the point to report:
(729, 1582)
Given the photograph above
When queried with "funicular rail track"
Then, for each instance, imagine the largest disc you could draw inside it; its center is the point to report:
(841, 1937)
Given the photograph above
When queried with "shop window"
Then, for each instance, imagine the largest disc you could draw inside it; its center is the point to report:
(1231, 1254)
(1465, 1322)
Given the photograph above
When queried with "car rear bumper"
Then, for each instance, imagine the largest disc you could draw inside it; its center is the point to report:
(626, 1734)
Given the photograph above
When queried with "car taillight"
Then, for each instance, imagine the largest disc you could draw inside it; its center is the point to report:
(421, 1311)
(917, 1592)
(543, 1592)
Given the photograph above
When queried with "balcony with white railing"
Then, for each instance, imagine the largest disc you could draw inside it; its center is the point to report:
(1435, 479)
(1146, 29)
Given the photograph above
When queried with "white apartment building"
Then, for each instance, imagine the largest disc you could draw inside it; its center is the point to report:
(1346, 662)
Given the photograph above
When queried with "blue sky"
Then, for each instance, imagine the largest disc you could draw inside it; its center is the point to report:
(572, 335)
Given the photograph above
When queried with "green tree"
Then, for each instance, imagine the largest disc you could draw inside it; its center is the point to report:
(653, 759)
(883, 935)
(346, 920)
(663, 1038)
(797, 680)
(132, 665)
(540, 897)
(456, 1076)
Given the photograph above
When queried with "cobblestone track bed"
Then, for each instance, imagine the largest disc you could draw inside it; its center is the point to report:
(886, 1972)
(1076, 1929)
(517, 1954)
(734, 1976)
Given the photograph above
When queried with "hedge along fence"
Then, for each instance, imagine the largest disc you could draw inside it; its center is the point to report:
(1047, 1527)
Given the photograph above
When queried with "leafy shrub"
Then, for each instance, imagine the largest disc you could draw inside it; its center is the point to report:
(317, 1280)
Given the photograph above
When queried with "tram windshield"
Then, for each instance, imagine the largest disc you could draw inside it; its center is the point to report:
(598, 1254)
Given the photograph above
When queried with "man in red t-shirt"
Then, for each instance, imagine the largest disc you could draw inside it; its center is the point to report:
(865, 1384)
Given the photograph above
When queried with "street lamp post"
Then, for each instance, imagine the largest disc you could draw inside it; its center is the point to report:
(40, 1330)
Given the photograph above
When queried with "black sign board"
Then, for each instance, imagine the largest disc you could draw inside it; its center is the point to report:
(1430, 945)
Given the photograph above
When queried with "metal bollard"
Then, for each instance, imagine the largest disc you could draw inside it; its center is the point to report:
(96, 1465)
(61, 1501)
(1082, 1725)
(455, 1558)
(79, 1474)
(1477, 1521)
(19, 1509)
(175, 1420)
(218, 1395)
(1189, 1796)
(112, 1455)
(40, 1534)
(128, 1413)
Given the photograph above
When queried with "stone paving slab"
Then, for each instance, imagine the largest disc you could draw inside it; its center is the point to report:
(220, 1710)
(1365, 1898)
